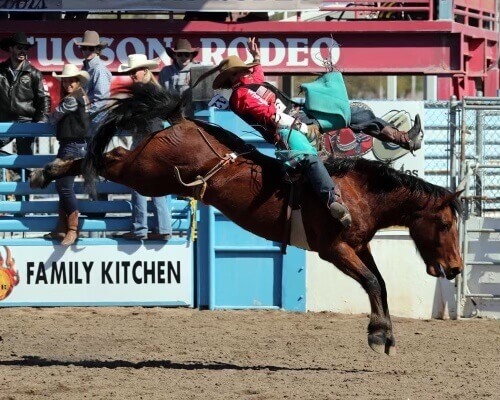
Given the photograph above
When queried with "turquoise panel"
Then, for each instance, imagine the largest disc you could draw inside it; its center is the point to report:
(237, 269)
(248, 279)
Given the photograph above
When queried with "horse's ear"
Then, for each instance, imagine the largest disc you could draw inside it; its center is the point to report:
(449, 198)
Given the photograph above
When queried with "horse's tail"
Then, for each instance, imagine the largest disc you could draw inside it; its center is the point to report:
(132, 110)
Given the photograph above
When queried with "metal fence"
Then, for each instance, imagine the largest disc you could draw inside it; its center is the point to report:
(460, 132)
(463, 152)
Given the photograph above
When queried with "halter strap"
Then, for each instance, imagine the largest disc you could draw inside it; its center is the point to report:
(200, 184)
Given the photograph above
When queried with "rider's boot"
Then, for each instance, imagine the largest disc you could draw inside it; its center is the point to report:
(411, 140)
(61, 227)
(72, 232)
(323, 185)
(338, 209)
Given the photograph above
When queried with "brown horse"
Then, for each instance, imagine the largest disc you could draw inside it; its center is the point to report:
(248, 187)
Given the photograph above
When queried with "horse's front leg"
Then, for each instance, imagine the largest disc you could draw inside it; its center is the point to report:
(59, 168)
(345, 258)
(366, 256)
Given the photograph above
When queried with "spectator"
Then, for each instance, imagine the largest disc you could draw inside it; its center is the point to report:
(72, 121)
(139, 68)
(177, 76)
(23, 95)
(98, 86)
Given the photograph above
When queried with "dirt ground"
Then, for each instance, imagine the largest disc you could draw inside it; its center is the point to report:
(161, 353)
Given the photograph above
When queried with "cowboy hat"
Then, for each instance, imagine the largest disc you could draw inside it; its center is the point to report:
(182, 46)
(136, 61)
(17, 38)
(91, 39)
(227, 67)
(72, 71)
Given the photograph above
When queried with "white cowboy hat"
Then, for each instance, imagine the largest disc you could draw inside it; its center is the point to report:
(138, 61)
(72, 71)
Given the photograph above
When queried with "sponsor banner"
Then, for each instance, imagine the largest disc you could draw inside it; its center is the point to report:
(401, 114)
(159, 5)
(299, 53)
(129, 274)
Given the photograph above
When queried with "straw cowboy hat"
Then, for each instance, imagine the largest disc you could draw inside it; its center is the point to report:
(72, 71)
(17, 38)
(228, 67)
(182, 46)
(91, 39)
(136, 61)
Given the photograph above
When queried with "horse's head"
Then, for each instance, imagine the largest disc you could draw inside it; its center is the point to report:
(435, 232)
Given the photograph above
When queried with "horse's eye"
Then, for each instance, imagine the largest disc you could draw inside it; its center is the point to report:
(444, 226)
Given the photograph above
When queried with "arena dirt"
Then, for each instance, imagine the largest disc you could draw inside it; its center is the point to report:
(161, 353)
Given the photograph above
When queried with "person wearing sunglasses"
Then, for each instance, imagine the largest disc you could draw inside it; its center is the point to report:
(177, 76)
(139, 68)
(97, 87)
(23, 93)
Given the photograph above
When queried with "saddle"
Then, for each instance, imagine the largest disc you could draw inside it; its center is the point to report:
(345, 143)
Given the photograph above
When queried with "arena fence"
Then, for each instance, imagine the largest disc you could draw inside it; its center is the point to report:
(478, 288)
(235, 269)
(223, 267)
(99, 269)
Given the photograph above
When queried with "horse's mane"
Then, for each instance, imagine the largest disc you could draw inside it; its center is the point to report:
(386, 179)
(131, 109)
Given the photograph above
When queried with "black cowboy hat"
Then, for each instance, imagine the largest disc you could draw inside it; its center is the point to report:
(182, 46)
(17, 38)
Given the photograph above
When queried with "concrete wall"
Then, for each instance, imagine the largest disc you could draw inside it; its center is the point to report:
(411, 292)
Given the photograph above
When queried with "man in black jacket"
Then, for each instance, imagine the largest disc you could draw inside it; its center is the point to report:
(23, 96)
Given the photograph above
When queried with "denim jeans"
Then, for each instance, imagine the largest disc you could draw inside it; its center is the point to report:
(65, 186)
(161, 214)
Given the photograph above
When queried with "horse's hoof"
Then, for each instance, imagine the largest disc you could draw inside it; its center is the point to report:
(382, 343)
(37, 179)
(377, 348)
(390, 350)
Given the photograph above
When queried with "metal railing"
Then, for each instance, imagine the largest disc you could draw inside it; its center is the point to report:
(390, 10)
(479, 13)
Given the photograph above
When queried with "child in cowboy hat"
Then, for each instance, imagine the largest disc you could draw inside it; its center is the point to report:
(177, 76)
(139, 68)
(98, 86)
(72, 120)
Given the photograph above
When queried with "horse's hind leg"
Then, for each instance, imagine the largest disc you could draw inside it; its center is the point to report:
(58, 168)
(366, 256)
(345, 258)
